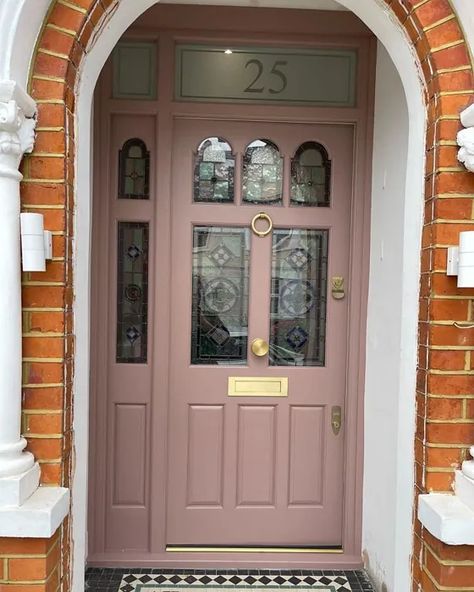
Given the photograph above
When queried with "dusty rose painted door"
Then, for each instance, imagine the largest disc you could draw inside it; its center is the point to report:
(257, 470)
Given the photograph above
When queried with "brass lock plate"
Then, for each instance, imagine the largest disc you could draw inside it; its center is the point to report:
(336, 419)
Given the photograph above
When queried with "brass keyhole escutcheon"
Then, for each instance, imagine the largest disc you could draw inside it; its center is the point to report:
(259, 347)
(262, 216)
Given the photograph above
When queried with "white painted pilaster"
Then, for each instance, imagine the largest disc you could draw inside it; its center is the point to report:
(17, 123)
(25, 509)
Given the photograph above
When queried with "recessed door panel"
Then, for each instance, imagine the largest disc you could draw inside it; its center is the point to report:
(307, 441)
(130, 432)
(205, 450)
(256, 434)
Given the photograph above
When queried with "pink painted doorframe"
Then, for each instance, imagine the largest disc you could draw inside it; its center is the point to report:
(107, 548)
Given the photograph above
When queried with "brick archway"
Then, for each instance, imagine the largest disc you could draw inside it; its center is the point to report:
(445, 411)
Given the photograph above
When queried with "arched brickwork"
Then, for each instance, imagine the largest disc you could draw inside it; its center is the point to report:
(445, 369)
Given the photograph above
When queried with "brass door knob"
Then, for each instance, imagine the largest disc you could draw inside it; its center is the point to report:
(259, 347)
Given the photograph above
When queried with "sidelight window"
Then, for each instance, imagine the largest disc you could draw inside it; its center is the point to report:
(132, 292)
(134, 170)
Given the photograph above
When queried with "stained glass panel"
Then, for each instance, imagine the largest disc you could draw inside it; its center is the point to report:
(262, 173)
(310, 176)
(220, 295)
(298, 298)
(134, 166)
(132, 292)
(214, 168)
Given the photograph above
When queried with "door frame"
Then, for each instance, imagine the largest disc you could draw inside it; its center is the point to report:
(398, 517)
(359, 118)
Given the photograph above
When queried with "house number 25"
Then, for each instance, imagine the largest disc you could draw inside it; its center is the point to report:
(280, 80)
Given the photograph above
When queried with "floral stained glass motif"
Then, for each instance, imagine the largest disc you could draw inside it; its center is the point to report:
(220, 295)
(298, 298)
(310, 176)
(132, 292)
(214, 168)
(262, 173)
(134, 170)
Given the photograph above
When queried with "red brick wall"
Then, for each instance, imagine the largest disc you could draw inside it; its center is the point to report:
(445, 387)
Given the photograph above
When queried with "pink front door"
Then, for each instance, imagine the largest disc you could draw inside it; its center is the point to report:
(258, 469)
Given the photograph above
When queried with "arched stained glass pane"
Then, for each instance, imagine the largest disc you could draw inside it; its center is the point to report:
(134, 167)
(214, 168)
(262, 173)
(310, 176)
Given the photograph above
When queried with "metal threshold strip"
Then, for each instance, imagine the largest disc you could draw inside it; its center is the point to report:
(247, 549)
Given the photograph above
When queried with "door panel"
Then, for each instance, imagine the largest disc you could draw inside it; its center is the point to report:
(307, 433)
(282, 465)
(204, 478)
(130, 455)
(256, 441)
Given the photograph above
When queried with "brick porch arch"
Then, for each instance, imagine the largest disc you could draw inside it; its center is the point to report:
(445, 409)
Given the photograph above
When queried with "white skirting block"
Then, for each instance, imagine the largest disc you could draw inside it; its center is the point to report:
(14, 491)
(38, 517)
(447, 518)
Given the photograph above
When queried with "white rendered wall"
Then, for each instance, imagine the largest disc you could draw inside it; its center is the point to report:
(465, 11)
(384, 429)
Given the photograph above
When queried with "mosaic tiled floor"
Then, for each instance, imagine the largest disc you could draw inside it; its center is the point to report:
(194, 580)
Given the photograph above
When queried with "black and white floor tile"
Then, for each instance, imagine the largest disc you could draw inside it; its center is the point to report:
(180, 580)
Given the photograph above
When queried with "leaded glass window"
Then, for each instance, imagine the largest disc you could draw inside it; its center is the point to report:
(134, 170)
(298, 298)
(132, 292)
(220, 295)
(214, 169)
(262, 173)
(310, 176)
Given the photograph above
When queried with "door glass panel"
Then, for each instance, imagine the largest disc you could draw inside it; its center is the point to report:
(262, 173)
(310, 176)
(214, 166)
(220, 295)
(132, 292)
(134, 170)
(298, 298)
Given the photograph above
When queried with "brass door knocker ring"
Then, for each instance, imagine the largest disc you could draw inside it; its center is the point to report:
(262, 216)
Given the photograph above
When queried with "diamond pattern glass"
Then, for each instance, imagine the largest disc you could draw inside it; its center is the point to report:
(310, 176)
(298, 298)
(214, 168)
(132, 292)
(220, 295)
(134, 170)
(262, 173)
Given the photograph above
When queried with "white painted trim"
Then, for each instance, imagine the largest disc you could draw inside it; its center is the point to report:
(38, 517)
(447, 518)
(15, 490)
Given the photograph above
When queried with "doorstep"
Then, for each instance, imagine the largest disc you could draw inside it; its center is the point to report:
(134, 579)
